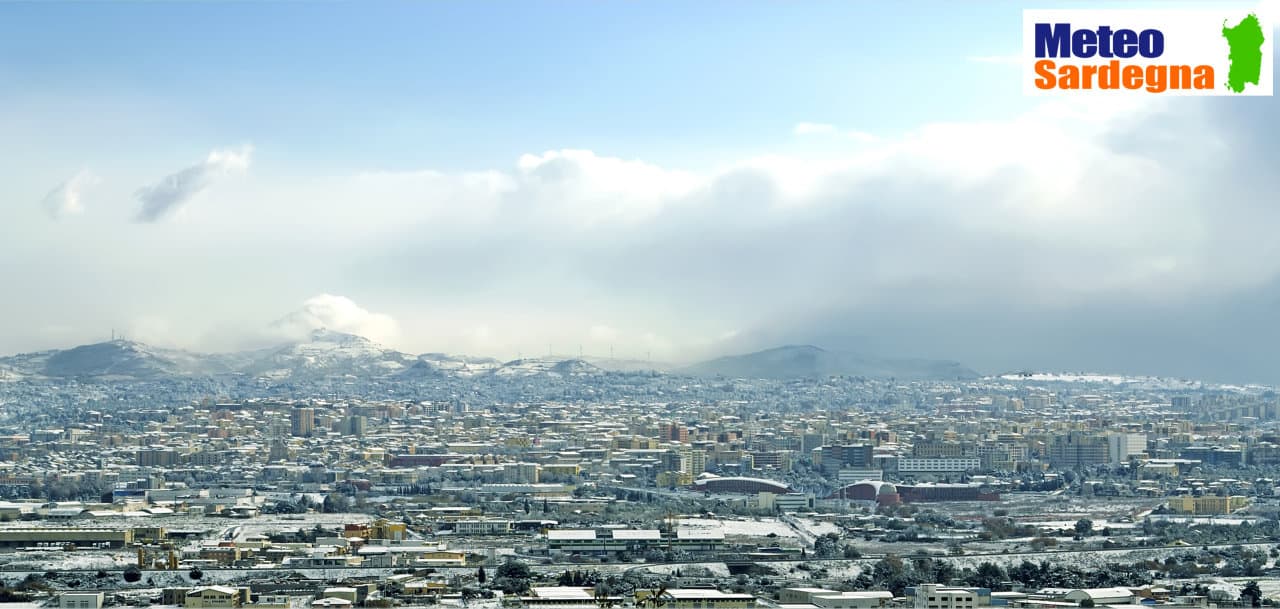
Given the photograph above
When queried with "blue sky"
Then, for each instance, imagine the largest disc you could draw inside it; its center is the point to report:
(474, 84)
(682, 179)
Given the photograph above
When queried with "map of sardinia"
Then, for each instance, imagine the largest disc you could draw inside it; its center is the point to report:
(1245, 40)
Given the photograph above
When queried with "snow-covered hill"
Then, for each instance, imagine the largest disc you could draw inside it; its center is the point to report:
(322, 353)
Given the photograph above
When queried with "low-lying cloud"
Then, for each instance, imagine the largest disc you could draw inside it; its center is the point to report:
(339, 314)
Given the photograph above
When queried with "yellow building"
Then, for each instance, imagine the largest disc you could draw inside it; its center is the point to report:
(634, 443)
(378, 529)
(214, 597)
(1208, 504)
(671, 479)
(561, 469)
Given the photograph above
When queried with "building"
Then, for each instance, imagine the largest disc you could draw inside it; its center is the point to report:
(882, 493)
(485, 526)
(933, 596)
(215, 597)
(1121, 446)
(834, 599)
(739, 485)
(926, 493)
(80, 538)
(566, 597)
(787, 502)
(941, 448)
(1100, 596)
(355, 425)
(302, 422)
(611, 542)
(849, 474)
(1214, 455)
(81, 600)
(1207, 504)
(156, 457)
(380, 529)
(1076, 450)
(697, 598)
(937, 465)
(843, 456)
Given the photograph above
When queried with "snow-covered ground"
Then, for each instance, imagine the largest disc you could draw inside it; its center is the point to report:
(743, 528)
(817, 528)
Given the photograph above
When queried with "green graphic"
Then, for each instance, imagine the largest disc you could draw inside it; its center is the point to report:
(1245, 40)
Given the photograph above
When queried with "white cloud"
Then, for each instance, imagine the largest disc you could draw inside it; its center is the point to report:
(65, 199)
(582, 189)
(1072, 204)
(340, 314)
(171, 192)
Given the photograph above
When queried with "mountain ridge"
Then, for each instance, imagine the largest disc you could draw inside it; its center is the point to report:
(809, 361)
(325, 353)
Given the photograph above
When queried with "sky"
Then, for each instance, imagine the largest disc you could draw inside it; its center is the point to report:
(665, 180)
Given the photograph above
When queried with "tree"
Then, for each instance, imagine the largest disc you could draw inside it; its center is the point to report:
(826, 546)
(513, 577)
(1251, 593)
(1088, 602)
(1084, 526)
(195, 573)
(132, 574)
(988, 575)
(481, 576)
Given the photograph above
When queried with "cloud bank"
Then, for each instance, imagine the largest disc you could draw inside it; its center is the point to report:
(1107, 234)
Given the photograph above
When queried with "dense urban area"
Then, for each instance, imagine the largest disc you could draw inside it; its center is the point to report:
(336, 473)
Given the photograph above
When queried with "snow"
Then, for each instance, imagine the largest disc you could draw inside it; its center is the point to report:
(818, 528)
(743, 528)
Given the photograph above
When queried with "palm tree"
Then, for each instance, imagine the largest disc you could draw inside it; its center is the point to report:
(656, 598)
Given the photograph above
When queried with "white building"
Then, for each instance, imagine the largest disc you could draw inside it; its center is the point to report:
(923, 465)
(1121, 446)
(482, 527)
(933, 596)
(834, 599)
(81, 600)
